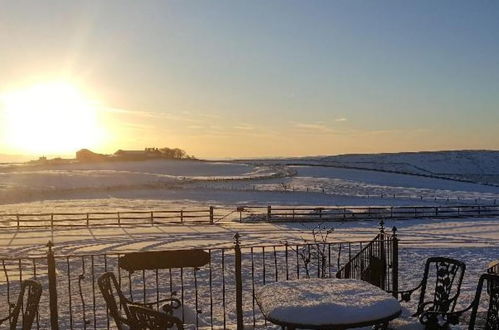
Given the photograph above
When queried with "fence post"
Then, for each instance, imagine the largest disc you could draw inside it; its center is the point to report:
(395, 262)
(52, 221)
(382, 253)
(152, 218)
(119, 218)
(54, 315)
(211, 214)
(182, 216)
(239, 283)
(269, 212)
(88, 220)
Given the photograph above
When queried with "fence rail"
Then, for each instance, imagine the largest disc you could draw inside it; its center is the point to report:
(219, 295)
(268, 213)
(155, 217)
(276, 214)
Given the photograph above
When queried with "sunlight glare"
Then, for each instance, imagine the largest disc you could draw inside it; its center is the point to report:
(49, 118)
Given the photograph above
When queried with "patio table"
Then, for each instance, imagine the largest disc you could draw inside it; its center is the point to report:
(326, 304)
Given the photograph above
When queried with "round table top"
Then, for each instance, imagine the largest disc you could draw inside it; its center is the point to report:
(326, 303)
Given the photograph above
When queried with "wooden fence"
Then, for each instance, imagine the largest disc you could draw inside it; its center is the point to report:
(211, 215)
(276, 214)
(107, 218)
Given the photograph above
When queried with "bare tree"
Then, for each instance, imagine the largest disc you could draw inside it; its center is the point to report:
(314, 252)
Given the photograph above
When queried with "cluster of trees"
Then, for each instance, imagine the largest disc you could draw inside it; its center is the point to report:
(174, 153)
(85, 155)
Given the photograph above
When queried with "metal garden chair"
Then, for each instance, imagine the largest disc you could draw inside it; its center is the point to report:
(28, 304)
(149, 319)
(448, 277)
(116, 301)
(488, 320)
(493, 267)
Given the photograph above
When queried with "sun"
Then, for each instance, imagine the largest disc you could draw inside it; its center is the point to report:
(50, 118)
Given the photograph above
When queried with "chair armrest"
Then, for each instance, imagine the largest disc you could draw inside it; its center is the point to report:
(174, 303)
(10, 314)
(171, 304)
(405, 295)
(5, 318)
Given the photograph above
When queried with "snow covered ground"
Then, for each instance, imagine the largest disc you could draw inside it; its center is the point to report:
(439, 162)
(174, 185)
(475, 241)
(229, 183)
(421, 234)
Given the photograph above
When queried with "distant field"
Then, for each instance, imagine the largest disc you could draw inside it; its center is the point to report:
(160, 183)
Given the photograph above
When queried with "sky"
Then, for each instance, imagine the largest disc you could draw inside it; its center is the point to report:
(230, 79)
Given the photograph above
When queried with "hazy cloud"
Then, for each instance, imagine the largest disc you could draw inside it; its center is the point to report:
(186, 116)
(313, 127)
(244, 127)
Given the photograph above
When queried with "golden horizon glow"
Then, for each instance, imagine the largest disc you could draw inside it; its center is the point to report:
(50, 117)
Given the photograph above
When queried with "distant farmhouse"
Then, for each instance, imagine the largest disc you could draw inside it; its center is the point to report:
(147, 153)
(85, 155)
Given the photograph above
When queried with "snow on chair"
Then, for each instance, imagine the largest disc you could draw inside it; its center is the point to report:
(33, 289)
(169, 259)
(448, 277)
(116, 301)
(149, 319)
(493, 267)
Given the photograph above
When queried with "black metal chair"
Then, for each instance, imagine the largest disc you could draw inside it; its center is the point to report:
(149, 319)
(488, 320)
(493, 267)
(447, 286)
(116, 300)
(28, 304)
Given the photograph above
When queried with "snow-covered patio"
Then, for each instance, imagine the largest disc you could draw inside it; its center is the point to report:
(474, 241)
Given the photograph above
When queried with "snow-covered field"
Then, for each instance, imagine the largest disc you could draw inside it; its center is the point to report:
(229, 183)
(157, 185)
(440, 162)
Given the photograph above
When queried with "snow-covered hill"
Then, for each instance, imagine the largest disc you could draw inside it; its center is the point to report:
(463, 162)
(334, 180)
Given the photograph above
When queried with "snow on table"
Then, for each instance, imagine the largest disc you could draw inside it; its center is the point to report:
(319, 302)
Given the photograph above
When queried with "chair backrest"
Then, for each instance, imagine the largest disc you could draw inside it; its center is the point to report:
(493, 267)
(448, 277)
(149, 319)
(33, 290)
(114, 298)
(492, 317)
